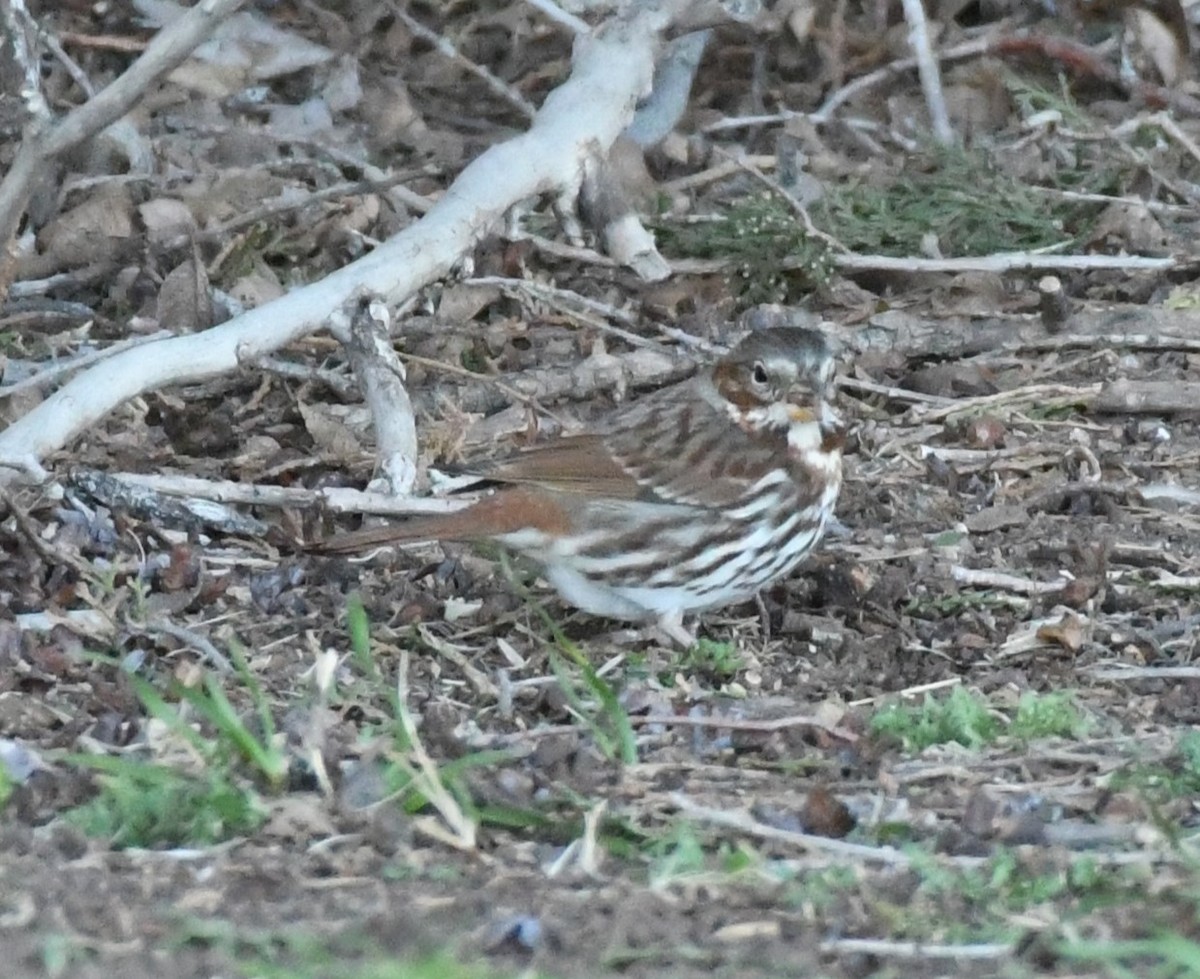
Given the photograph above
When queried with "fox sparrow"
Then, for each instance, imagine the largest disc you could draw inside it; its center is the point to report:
(693, 497)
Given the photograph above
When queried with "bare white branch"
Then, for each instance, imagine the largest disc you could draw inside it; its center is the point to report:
(928, 71)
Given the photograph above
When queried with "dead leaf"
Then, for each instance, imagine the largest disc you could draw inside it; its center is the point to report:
(87, 233)
(166, 218)
(1068, 632)
(826, 815)
(330, 435)
(184, 302)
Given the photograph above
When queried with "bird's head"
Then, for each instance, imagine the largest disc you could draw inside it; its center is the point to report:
(781, 378)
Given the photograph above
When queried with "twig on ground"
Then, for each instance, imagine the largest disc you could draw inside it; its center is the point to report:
(1169, 126)
(192, 513)
(78, 75)
(32, 535)
(791, 200)
(1108, 341)
(570, 302)
(743, 823)
(478, 680)
(341, 383)
(335, 498)
(766, 726)
(288, 203)
(891, 393)
(20, 30)
(560, 16)
(909, 692)
(497, 85)
(719, 172)
(1126, 397)
(103, 42)
(202, 645)
(1004, 262)
(834, 101)
(1123, 671)
(560, 249)
(999, 263)
(1156, 207)
(367, 340)
(916, 950)
(641, 367)
(988, 458)
(1044, 395)
(516, 397)
(974, 578)
(928, 71)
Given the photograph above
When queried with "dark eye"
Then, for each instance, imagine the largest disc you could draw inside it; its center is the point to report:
(760, 374)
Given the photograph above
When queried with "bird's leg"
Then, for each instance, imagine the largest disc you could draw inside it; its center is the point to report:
(670, 624)
(667, 631)
(764, 614)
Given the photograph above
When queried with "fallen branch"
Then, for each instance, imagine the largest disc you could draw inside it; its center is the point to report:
(983, 951)
(745, 725)
(1126, 397)
(928, 71)
(334, 498)
(381, 377)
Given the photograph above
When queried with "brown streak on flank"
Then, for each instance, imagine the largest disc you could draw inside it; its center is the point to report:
(701, 451)
(685, 424)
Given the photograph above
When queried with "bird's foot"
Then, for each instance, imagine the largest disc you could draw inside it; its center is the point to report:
(668, 632)
(670, 626)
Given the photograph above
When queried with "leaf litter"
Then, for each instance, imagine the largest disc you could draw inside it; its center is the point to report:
(960, 739)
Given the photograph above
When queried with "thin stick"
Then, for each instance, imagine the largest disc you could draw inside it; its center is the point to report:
(971, 49)
(381, 377)
(917, 950)
(1004, 582)
(565, 300)
(1000, 262)
(497, 85)
(735, 724)
(335, 499)
(560, 16)
(928, 71)
(889, 856)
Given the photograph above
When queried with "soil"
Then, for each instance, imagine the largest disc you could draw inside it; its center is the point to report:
(1000, 532)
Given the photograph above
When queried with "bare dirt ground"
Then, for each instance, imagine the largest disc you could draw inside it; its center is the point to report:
(1018, 544)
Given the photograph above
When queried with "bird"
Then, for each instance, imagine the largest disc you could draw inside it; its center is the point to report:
(693, 497)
